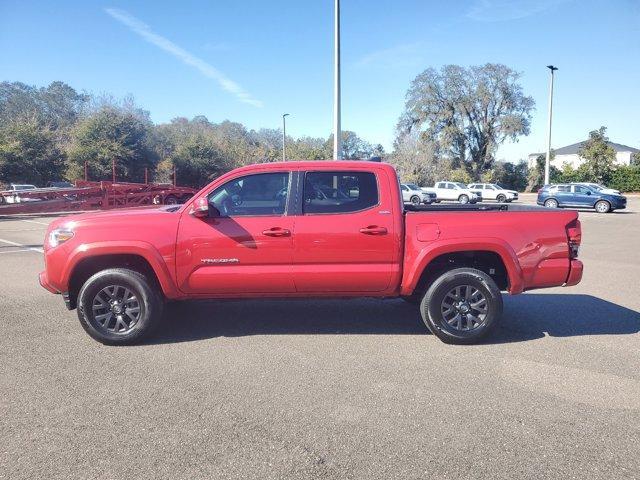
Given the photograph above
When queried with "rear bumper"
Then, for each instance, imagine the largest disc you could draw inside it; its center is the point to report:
(575, 273)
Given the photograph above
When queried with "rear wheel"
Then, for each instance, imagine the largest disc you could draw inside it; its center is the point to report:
(551, 203)
(501, 198)
(463, 199)
(602, 206)
(119, 306)
(415, 199)
(462, 306)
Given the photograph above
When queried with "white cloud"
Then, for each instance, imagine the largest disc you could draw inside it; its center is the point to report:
(143, 30)
(405, 55)
(501, 10)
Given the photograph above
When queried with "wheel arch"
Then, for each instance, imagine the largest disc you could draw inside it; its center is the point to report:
(90, 259)
(485, 256)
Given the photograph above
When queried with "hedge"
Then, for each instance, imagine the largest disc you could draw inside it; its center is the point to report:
(626, 178)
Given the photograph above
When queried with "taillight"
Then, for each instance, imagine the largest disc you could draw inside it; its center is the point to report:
(574, 238)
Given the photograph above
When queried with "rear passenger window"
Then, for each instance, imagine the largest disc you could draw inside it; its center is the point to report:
(339, 192)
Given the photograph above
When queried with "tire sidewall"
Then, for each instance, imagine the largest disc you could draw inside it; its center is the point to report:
(431, 304)
(150, 306)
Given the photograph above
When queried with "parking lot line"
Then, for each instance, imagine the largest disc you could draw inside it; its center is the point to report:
(15, 244)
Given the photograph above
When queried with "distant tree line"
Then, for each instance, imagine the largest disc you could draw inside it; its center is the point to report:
(453, 123)
(50, 133)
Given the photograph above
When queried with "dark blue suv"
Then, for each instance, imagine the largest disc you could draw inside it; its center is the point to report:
(579, 196)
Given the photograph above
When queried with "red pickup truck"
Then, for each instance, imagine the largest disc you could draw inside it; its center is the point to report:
(307, 229)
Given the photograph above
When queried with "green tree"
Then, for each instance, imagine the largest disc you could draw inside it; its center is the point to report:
(112, 133)
(599, 157)
(467, 112)
(536, 174)
(29, 153)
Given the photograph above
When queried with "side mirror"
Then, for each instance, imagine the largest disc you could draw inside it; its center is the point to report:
(200, 208)
(588, 192)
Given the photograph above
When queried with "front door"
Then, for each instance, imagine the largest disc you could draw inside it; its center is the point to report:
(582, 196)
(345, 239)
(247, 247)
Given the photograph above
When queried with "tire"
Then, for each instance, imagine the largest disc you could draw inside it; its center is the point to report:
(463, 199)
(501, 198)
(551, 203)
(415, 199)
(478, 296)
(602, 206)
(133, 321)
(171, 200)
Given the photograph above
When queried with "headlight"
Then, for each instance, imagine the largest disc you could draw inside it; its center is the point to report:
(59, 236)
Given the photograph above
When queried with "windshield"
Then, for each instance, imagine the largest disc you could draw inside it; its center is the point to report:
(497, 187)
(460, 185)
(413, 186)
(24, 187)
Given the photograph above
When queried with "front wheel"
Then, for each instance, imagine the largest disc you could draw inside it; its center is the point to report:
(501, 198)
(602, 206)
(119, 306)
(463, 199)
(551, 203)
(415, 199)
(462, 306)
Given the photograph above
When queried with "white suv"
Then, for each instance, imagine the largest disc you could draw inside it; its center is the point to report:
(493, 191)
(455, 191)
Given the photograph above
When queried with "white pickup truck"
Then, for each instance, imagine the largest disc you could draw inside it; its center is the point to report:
(455, 191)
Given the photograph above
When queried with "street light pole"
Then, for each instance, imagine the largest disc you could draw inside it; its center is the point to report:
(284, 136)
(548, 160)
(337, 132)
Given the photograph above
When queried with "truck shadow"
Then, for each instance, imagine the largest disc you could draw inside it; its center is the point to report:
(526, 317)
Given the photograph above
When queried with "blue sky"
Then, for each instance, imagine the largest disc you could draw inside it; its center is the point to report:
(251, 61)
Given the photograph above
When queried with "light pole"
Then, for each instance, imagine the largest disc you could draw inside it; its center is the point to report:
(337, 132)
(548, 161)
(284, 136)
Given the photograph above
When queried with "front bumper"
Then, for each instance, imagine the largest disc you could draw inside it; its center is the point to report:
(44, 282)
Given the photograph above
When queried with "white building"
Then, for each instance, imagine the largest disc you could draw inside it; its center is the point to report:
(569, 154)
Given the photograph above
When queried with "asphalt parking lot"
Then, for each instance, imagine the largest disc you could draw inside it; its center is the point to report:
(327, 389)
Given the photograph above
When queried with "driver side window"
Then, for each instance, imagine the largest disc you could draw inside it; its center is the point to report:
(262, 194)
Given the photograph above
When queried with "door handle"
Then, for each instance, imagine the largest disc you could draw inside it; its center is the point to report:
(373, 230)
(276, 232)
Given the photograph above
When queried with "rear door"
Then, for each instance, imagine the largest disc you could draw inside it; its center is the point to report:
(248, 248)
(348, 242)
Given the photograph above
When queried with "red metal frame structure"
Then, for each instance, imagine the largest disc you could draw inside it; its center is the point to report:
(88, 195)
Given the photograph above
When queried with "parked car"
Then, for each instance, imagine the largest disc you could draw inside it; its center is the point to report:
(600, 188)
(455, 191)
(493, 191)
(411, 193)
(11, 195)
(239, 238)
(579, 196)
